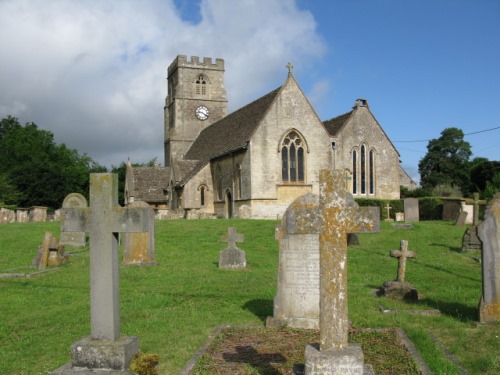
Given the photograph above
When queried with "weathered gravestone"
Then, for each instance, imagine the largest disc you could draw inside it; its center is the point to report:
(139, 248)
(76, 239)
(339, 215)
(296, 303)
(489, 232)
(232, 257)
(7, 216)
(22, 215)
(470, 239)
(50, 253)
(104, 349)
(462, 217)
(388, 209)
(38, 214)
(411, 210)
(400, 216)
(400, 289)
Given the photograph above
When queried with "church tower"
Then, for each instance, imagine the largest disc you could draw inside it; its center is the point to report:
(196, 99)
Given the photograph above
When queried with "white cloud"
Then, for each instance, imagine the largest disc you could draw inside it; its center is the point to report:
(94, 72)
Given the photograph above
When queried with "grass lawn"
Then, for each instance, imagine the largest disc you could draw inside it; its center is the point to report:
(175, 305)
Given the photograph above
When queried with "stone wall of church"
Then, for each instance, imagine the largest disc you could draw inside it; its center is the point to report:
(291, 110)
(191, 196)
(364, 129)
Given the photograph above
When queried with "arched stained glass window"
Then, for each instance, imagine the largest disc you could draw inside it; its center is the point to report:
(293, 158)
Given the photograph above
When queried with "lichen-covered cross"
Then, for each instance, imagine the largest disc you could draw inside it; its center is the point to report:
(402, 254)
(340, 216)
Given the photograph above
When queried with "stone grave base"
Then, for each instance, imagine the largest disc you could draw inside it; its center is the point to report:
(399, 290)
(489, 312)
(348, 360)
(470, 240)
(90, 356)
(303, 323)
(232, 259)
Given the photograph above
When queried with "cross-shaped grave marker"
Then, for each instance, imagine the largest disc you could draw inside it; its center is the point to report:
(388, 208)
(402, 254)
(232, 238)
(341, 216)
(232, 257)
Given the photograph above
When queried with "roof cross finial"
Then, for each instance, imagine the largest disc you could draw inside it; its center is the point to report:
(290, 68)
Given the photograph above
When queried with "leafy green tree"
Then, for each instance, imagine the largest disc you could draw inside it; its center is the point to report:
(41, 170)
(446, 161)
(482, 171)
(8, 193)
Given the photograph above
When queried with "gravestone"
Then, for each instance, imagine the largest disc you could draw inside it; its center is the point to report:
(139, 247)
(296, 303)
(232, 257)
(462, 217)
(400, 216)
(22, 215)
(76, 239)
(470, 239)
(104, 350)
(339, 215)
(38, 214)
(489, 232)
(411, 210)
(7, 216)
(50, 253)
(400, 289)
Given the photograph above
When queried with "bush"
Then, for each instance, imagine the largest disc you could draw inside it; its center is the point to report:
(397, 205)
(431, 208)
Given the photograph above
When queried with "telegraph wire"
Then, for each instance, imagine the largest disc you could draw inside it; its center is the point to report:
(428, 140)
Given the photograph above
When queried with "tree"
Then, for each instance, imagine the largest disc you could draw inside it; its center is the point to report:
(41, 170)
(482, 171)
(446, 161)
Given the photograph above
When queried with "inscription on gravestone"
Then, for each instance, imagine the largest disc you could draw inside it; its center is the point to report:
(411, 210)
(76, 239)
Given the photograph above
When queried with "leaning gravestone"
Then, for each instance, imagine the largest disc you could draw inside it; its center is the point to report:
(232, 257)
(76, 239)
(139, 248)
(462, 217)
(339, 215)
(104, 350)
(411, 210)
(50, 253)
(489, 232)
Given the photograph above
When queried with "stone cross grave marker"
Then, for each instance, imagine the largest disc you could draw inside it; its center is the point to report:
(388, 209)
(340, 216)
(489, 233)
(402, 254)
(73, 238)
(104, 220)
(232, 257)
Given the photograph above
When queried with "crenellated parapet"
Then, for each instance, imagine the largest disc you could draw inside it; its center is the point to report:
(194, 62)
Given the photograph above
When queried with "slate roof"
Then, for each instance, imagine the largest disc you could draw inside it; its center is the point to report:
(149, 182)
(334, 125)
(229, 134)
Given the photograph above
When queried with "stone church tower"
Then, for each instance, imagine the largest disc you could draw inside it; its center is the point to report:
(196, 99)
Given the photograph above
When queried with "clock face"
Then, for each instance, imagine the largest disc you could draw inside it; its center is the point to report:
(202, 112)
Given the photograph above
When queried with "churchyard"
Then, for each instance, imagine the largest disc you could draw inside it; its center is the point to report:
(175, 305)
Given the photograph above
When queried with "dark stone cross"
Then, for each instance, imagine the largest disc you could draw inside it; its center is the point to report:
(104, 220)
(232, 238)
(340, 216)
(402, 254)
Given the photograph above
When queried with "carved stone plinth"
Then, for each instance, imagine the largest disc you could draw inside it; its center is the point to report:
(347, 360)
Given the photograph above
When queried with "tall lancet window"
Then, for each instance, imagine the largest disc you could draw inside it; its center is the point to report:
(354, 172)
(363, 169)
(371, 171)
(293, 158)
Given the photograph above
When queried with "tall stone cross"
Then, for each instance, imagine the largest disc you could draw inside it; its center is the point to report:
(340, 215)
(388, 208)
(104, 220)
(232, 238)
(402, 254)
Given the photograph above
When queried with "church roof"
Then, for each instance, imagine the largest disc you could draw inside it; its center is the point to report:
(229, 134)
(334, 125)
(148, 183)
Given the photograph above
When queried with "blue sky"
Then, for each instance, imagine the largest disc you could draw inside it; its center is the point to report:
(94, 72)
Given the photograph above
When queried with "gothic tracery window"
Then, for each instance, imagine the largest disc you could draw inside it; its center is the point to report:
(292, 158)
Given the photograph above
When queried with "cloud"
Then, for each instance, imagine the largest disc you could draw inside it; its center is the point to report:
(94, 72)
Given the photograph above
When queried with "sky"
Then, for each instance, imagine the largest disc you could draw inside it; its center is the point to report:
(94, 72)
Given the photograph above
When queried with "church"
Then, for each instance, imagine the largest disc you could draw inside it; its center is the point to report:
(254, 162)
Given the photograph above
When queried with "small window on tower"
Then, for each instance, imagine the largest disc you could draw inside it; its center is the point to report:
(200, 86)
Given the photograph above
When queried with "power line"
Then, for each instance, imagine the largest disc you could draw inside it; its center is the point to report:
(428, 140)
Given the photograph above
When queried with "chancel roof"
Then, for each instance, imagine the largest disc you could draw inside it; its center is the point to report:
(334, 125)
